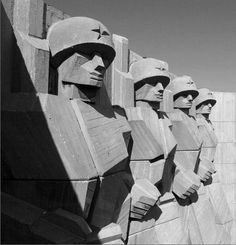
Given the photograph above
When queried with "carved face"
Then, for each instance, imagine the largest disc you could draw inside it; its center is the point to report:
(204, 101)
(81, 50)
(150, 78)
(184, 91)
(204, 108)
(184, 100)
(81, 76)
(151, 92)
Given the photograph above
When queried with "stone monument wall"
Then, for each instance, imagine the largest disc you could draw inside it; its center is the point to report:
(85, 158)
(223, 118)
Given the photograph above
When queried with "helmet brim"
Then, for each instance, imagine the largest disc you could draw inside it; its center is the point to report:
(194, 93)
(107, 52)
(164, 79)
(210, 100)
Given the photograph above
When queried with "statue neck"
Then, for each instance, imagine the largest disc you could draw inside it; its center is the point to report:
(184, 110)
(205, 116)
(141, 103)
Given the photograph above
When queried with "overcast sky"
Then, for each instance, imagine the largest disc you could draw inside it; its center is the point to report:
(196, 37)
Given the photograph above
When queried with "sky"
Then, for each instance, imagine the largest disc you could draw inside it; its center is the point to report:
(195, 37)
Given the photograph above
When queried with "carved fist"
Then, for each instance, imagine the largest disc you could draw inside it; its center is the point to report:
(205, 169)
(185, 183)
(144, 196)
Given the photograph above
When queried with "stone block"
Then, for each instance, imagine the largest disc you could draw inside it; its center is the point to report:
(226, 172)
(53, 15)
(170, 212)
(225, 131)
(74, 220)
(185, 183)
(8, 5)
(224, 110)
(187, 159)
(17, 209)
(208, 153)
(184, 133)
(112, 202)
(148, 236)
(29, 17)
(219, 203)
(230, 193)
(54, 233)
(146, 222)
(122, 215)
(145, 146)
(35, 54)
(31, 224)
(167, 104)
(104, 136)
(122, 87)
(140, 169)
(73, 196)
(225, 153)
(133, 57)
(171, 232)
(210, 233)
(109, 233)
(45, 145)
(157, 172)
(144, 195)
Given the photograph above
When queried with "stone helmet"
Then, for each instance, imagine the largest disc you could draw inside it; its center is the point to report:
(79, 34)
(148, 69)
(183, 84)
(205, 95)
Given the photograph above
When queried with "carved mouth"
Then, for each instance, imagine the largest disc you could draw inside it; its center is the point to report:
(159, 96)
(97, 76)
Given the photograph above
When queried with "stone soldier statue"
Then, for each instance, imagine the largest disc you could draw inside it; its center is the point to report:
(197, 213)
(81, 50)
(150, 79)
(67, 150)
(204, 103)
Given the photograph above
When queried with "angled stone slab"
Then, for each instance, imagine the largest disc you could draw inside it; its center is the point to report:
(73, 196)
(103, 134)
(145, 146)
(29, 17)
(46, 144)
(168, 227)
(121, 90)
(109, 233)
(27, 223)
(112, 203)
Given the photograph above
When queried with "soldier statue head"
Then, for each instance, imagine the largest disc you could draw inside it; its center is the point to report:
(150, 79)
(204, 102)
(184, 92)
(81, 50)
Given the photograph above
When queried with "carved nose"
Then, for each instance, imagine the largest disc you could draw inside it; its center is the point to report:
(98, 63)
(159, 88)
(190, 97)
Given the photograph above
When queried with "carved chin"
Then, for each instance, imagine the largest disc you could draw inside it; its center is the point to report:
(96, 83)
(184, 106)
(205, 112)
(153, 99)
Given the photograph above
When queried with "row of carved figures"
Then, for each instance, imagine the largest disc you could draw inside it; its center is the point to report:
(132, 174)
